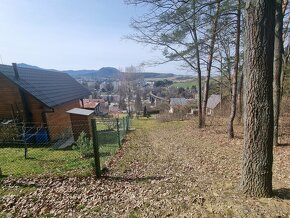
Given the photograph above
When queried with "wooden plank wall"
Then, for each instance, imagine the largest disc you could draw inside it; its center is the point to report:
(59, 121)
(36, 108)
(9, 97)
(81, 124)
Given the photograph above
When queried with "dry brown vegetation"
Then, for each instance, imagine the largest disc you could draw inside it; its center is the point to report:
(167, 169)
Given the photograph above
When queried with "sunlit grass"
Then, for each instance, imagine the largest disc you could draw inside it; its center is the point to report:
(43, 161)
(49, 162)
(185, 85)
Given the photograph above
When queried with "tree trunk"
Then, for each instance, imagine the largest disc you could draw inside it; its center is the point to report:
(285, 60)
(199, 93)
(278, 49)
(210, 60)
(235, 76)
(258, 96)
(239, 100)
(285, 54)
(197, 52)
(221, 90)
(198, 77)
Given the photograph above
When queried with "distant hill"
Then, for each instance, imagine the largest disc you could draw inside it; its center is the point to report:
(32, 67)
(27, 66)
(157, 75)
(103, 73)
(79, 73)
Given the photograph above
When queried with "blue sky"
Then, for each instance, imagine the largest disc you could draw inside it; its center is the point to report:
(72, 34)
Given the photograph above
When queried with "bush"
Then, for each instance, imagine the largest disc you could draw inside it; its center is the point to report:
(84, 145)
(9, 133)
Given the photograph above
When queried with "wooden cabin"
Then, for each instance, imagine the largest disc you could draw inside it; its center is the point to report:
(39, 97)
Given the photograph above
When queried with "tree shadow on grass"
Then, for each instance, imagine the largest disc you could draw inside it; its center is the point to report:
(30, 158)
(3, 177)
(13, 182)
(133, 179)
(23, 146)
(283, 193)
(105, 154)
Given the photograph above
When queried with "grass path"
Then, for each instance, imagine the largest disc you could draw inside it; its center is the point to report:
(164, 170)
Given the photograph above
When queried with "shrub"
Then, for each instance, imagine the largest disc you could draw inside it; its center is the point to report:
(9, 133)
(84, 145)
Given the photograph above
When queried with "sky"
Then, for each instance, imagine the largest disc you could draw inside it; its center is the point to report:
(73, 35)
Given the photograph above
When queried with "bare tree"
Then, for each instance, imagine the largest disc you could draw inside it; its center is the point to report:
(258, 96)
(214, 32)
(286, 48)
(235, 74)
(278, 50)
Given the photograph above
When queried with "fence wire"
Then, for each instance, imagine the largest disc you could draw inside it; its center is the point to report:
(110, 135)
(28, 149)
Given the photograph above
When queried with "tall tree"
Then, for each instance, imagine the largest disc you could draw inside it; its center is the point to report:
(198, 64)
(235, 74)
(278, 50)
(258, 97)
(214, 32)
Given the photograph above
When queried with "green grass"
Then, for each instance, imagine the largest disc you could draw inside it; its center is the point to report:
(144, 122)
(109, 123)
(189, 84)
(49, 162)
(106, 152)
(109, 144)
(185, 85)
(42, 161)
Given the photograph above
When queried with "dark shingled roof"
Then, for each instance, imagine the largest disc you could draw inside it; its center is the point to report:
(52, 88)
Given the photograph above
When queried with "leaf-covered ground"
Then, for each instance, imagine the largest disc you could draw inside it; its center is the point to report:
(164, 170)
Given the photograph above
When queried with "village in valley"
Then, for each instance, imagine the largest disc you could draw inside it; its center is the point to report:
(136, 91)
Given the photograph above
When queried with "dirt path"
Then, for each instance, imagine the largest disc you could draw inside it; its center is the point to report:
(165, 170)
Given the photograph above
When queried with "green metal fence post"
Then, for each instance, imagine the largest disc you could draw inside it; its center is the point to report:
(118, 132)
(96, 148)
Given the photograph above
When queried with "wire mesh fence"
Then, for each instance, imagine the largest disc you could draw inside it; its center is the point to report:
(109, 136)
(28, 149)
